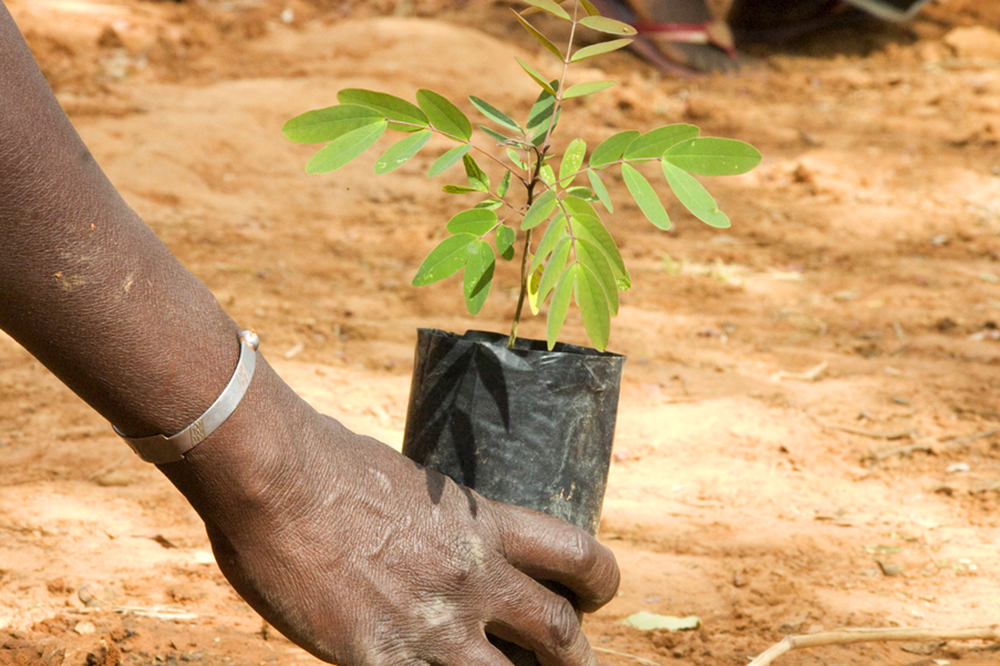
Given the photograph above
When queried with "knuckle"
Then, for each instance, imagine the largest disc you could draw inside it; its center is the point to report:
(563, 626)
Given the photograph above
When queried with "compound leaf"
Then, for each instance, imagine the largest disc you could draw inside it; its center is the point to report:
(401, 151)
(446, 259)
(540, 210)
(645, 197)
(694, 196)
(654, 143)
(390, 106)
(572, 161)
(322, 125)
(711, 156)
(611, 149)
(478, 275)
(593, 304)
(599, 48)
(345, 148)
(475, 221)
(442, 163)
(587, 88)
(444, 115)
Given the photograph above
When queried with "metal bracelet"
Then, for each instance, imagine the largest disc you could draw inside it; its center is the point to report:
(160, 449)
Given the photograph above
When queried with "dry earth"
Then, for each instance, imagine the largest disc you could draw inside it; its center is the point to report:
(775, 370)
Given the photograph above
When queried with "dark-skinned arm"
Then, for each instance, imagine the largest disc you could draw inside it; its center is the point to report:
(331, 536)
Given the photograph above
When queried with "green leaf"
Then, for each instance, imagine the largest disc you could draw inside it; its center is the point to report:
(581, 192)
(458, 189)
(550, 7)
(539, 37)
(599, 48)
(532, 290)
(541, 110)
(493, 134)
(505, 238)
(593, 304)
(654, 143)
(572, 161)
(475, 221)
(478, 276)
(494, 114)
(611, 149)
(331, 123)
(442, 163)
(390, 106)
(536, 77)
(444, 115)
(554, 268)
(515, 159)
(594, 259)
(445, 260)
(710, 156)
(477, 177)
(587, 88)
(645, 196)
(401, 151)
(606, 25)
(539, 135)
(560, 304)
(591, 229)
(540, 210)
(504, 185)
(548, 175)
(554, 233)
(342, 150)
(694, 196)
(489, 204)
(600, 190)
(589, 8)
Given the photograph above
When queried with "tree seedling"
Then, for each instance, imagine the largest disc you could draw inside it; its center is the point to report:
(545, 200)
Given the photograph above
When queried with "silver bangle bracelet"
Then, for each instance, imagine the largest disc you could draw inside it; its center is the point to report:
(160, 449)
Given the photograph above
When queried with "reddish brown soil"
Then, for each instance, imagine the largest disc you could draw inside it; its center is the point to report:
(852, 309)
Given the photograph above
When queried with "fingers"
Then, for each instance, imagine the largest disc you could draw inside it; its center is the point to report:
(543, 622)
(546, 548)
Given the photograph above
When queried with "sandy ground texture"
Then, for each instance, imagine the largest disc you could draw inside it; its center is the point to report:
(808, 434)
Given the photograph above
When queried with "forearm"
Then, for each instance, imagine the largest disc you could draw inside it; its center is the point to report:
(85, 286)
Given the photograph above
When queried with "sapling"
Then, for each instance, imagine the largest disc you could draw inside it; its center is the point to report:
(546, 196)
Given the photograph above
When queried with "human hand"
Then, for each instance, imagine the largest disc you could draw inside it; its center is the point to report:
(364, 558)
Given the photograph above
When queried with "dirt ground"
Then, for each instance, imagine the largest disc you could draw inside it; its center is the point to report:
(808, 434)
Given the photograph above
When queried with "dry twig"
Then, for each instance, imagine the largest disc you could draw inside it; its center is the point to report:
(647, 662)
(845, 636)
(930, 448)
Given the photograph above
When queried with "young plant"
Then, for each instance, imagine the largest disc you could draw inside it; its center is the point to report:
(567, 253)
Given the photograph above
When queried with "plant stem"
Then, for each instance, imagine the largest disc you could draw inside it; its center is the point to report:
(523, 291)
